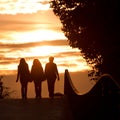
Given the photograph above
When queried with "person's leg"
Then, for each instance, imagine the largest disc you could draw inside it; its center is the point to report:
(36, 91)
(52, 88)
(25, 90)
(22, 91)
(49, 87)
(51, 84)
(39, 90)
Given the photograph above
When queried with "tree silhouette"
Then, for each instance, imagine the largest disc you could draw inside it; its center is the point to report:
(93, 27)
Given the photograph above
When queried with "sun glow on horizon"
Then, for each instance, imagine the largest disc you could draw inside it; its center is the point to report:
(34, 36)
(62, 59)
(45, 50)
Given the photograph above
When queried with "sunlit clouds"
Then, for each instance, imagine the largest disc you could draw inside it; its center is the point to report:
(23, 6)
(29, 29)
(65, 56)
(33, 36)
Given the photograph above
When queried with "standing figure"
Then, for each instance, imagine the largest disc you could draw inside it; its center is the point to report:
(1, 87)
(23, 73)
(51, 73)
(37, 76)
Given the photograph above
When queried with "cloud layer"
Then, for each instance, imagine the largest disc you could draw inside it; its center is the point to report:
(34, 33)
(23, 6)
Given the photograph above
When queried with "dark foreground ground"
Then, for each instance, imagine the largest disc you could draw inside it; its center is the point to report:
(35, 109)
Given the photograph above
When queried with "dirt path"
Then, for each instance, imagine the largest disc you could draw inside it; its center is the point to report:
(35, 109)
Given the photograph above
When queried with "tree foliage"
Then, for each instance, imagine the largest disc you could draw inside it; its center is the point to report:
(93, 27)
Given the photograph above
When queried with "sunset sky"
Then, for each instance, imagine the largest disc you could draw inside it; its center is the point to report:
(29, 29)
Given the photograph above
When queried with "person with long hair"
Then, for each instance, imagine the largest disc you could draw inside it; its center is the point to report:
(37, 75)
(23, 74)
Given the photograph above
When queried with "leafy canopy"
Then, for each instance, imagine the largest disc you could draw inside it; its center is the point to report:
(93, 27)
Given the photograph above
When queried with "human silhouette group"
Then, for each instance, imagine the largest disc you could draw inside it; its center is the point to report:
(37, 74)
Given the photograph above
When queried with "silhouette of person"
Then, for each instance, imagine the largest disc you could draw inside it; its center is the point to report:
(37, 76)
(1, 87)
(23, 73)
(51, 73)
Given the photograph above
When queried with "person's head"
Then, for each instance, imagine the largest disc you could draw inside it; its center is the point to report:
(22, 61)
(36, 62)
(51, 59)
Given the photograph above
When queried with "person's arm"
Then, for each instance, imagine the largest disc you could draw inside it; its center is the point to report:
(46, 69)
(58, 78)
(17, 75)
